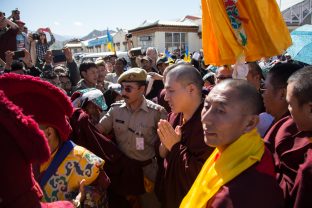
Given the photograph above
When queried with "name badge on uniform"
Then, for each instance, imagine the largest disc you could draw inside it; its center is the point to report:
(139, 143)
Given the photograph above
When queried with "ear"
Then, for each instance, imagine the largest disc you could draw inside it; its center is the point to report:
(83, 73)
(251, 123)
(283, 93)
(48, 132)
(143, 89)
(191, 88)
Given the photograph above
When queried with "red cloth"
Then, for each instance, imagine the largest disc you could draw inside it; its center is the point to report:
(86, 135)
(289, 147)
(21, 143)
(126, 174)
(301, 193)
(256, 187)
(183, 163)
(45, 102)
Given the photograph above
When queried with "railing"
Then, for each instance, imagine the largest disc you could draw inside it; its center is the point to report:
(297, 14)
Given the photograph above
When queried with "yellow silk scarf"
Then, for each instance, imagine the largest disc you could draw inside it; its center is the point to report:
(236, 158)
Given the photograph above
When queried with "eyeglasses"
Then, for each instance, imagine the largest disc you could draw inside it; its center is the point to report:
(224, 77)
(128, 89)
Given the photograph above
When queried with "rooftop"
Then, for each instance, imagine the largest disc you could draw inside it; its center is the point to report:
(148, 24)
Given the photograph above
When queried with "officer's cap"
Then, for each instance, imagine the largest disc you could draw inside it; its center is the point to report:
(133, 75)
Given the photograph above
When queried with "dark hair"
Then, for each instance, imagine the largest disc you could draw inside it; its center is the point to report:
(17, 65)
(63, 75)
(85, 66)
(195, 63)
(210, 77)
(255, 69)
(45, 38)
(302, 88)
(245, 92)
(122, 60)
(280, 73)
(48, 75)
(186, 74)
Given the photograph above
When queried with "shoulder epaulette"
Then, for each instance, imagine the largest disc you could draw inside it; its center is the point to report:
(117, 103)
(153, 105)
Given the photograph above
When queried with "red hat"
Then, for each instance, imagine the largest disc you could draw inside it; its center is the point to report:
(21, 143)
(46, 103)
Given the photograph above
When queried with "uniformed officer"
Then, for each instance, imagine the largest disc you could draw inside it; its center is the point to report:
(134, 124)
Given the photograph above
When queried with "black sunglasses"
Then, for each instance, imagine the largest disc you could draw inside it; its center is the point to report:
(128, 89)
(224, 77)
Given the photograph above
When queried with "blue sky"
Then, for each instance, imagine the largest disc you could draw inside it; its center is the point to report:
(79, 17)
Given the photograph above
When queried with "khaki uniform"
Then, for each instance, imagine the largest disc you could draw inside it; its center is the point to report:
(136, 132)
(129, 126)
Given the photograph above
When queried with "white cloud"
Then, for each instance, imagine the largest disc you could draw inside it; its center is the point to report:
(56, 23)
(78, 23)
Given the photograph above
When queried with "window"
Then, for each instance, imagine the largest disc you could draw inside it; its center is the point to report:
(146, 41)
(175, 41)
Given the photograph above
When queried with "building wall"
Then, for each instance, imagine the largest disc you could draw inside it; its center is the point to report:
(158, 37)
(119, 39)
(160, 41)
(194, 42)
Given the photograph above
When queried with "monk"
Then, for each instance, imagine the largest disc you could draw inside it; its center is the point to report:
(240, 171)
(69, 166)
(286, 142)
(299, 98)
(182, 144)
(25, 146)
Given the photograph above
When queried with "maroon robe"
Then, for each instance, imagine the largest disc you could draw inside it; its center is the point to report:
(289, 149)
(86, 135)
(256, 187)
(185, 160)
(301, 193)
(126, 174)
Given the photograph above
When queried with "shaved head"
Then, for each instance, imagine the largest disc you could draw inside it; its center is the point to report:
(186, 74)
(243, 92)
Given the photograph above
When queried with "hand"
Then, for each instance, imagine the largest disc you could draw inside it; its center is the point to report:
(8, 59)
(163, 151)
(30, 39)
(27, 59)
(155, 75)
(68, 54)
(48, 57)
(81, 196)
(49, 30)
(168, 136)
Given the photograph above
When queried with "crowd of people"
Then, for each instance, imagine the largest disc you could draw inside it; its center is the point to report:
(156, 132)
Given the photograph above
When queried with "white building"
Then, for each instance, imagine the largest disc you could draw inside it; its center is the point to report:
(296, 12)
(99, 44)
(75, 46)
(169, 35)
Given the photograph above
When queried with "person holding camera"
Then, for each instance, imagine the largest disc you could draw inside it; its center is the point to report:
(7, 35)
(23, 66)
(42, 45)
(15, 15)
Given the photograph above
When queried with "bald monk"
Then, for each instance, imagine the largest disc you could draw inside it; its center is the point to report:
(299, 98)
(240, 171)
(182, 140)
